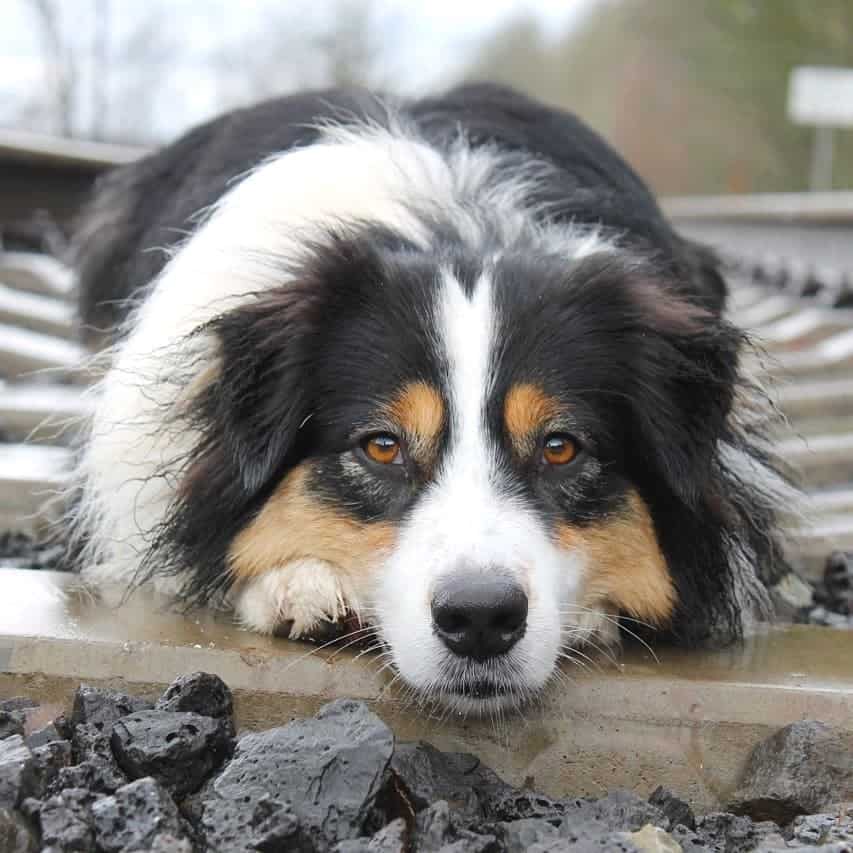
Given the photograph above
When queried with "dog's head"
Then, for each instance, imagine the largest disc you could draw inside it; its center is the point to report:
(488, 457)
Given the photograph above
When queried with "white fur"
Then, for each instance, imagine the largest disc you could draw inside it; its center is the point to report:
(131, 467)
(305, 593)
(465, 521)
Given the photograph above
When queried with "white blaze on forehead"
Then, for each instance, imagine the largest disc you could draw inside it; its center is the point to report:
(472, 522)
(467, 326)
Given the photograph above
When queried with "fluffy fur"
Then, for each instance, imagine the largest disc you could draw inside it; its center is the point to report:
(469, 274)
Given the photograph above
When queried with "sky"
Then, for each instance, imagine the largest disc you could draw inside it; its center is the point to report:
(426, 43)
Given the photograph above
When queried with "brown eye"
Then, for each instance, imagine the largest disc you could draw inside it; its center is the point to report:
(559, 449)
(383, 448)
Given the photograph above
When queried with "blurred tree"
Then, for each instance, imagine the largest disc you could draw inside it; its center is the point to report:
(693, 93)
(96, 77)
(297, 50)
(61, 66)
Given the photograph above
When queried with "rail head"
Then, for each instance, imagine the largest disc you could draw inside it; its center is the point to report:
(821, 208)
(62, 153)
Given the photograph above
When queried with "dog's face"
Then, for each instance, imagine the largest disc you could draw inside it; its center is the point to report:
(471, 454)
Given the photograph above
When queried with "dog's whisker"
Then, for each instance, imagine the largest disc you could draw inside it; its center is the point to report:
(315, 649)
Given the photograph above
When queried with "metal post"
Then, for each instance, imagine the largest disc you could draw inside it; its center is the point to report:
(822, 154)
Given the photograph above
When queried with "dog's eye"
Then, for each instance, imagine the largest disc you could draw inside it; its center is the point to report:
(559, 449)
(383, 448)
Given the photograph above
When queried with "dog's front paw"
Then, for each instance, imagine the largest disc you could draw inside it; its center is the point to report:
(295, 600)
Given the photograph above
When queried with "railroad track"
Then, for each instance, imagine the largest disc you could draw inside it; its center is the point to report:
(797, 306)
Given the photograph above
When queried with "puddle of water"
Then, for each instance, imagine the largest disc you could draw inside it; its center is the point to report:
(54, 605)
(792, 655)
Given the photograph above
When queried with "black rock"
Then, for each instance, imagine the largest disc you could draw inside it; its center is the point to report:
(90, 742)
(437, 830)
(228, 826)
(801, 769)
(835, 827)
(613, 843)
(48, 761)
(66, 821)
(828, 618)
(97, 767)
(589, 840)
(30, 808)
(11, 723)
(15, 835)
(328, 770)
(393, 838)
(520, 835)
(676, 810)
(165, 843)
(277, 828)
(94, 774)
(18, 703)
(688, 839)
(43, 736)
(619, 811)
(522, 804)
(723, 832)
(17, 775)
(202, 693)
(838, 583)
(20, 551)
(180, 750)
(134, 816)
(100, 708)
(63, 726)
(462, 780)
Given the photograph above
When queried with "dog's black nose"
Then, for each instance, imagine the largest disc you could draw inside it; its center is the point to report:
(479, 616)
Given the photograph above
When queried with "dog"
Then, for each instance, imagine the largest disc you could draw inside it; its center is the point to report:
(438, 366)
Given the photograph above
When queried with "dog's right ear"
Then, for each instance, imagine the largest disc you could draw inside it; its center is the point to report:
(260, 400)
(250, 412)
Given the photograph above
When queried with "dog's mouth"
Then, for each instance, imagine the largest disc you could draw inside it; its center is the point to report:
(480, 689)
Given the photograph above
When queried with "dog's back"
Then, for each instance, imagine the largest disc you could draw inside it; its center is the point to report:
(141, 211)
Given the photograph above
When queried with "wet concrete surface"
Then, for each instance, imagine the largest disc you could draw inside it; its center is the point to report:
(689, 718)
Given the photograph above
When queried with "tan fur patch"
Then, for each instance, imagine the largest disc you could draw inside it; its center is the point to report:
(419, 410)
(526, 409)
(293, 525)
(625, 565)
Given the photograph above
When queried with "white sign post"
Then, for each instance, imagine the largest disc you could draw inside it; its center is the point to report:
(822, 98)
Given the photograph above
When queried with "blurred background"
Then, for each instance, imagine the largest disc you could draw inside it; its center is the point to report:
(693, 92)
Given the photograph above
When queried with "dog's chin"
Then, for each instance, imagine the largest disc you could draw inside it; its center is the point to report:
(481, 700)
(479, 696)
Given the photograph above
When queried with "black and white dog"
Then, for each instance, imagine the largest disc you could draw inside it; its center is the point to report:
(438, 365)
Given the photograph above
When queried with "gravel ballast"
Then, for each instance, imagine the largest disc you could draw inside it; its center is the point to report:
(122, 774)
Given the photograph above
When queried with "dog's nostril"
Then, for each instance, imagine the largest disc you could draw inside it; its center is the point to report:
(479, 615)
(450, 619)
(512, 615)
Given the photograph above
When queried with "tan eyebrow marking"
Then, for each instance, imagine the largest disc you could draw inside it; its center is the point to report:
(419, 410)
(526, 409)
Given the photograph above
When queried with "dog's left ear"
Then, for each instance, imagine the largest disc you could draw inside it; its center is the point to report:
(682, 385)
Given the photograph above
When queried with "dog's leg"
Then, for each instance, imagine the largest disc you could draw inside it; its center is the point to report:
(300, 595)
